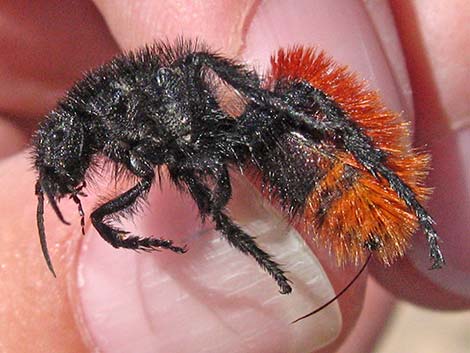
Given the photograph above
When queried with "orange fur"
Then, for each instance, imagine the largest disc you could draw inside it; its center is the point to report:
(368, 207)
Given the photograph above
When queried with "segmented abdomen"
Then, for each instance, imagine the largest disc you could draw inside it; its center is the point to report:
(346, 207)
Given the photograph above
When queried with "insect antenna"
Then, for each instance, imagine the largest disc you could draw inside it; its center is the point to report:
(337, 296)
(42, 232)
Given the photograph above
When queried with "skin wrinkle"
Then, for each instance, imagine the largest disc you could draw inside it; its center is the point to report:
(244, 25)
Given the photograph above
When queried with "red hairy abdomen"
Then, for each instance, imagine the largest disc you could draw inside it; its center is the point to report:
(358, 207)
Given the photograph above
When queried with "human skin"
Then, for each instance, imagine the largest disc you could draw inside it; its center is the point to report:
(40, 59)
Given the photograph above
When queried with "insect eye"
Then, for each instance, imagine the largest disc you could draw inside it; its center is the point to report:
(58, 136)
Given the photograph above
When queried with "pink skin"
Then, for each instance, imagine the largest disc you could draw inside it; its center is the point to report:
(39, 311)
(438, 52)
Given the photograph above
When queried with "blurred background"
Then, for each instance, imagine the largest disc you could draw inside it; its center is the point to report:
(414, 329)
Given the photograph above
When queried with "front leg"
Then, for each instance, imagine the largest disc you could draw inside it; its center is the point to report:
(124, 202)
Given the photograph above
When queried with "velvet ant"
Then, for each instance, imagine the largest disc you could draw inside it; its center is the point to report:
(324, 147)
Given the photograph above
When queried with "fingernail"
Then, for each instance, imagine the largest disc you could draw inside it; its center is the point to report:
(450, 207)
(343, 29)
(211, 299)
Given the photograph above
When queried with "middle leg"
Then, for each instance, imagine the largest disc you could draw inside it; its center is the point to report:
(217, 200)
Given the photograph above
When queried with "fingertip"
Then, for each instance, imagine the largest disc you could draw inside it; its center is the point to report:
(37, 311)
(436, 50)
(401, 280)
(219, 24)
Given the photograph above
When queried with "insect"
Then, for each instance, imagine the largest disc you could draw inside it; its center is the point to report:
(324, 147)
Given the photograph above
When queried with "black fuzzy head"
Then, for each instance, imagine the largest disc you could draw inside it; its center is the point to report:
(61, 161)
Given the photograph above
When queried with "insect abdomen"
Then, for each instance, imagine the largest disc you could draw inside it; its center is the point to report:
(349, 209)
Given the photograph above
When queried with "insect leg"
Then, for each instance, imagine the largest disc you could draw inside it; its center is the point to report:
(247, 245)
(223, 190)
(232, 232)
(236, 75)
(120, 238)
